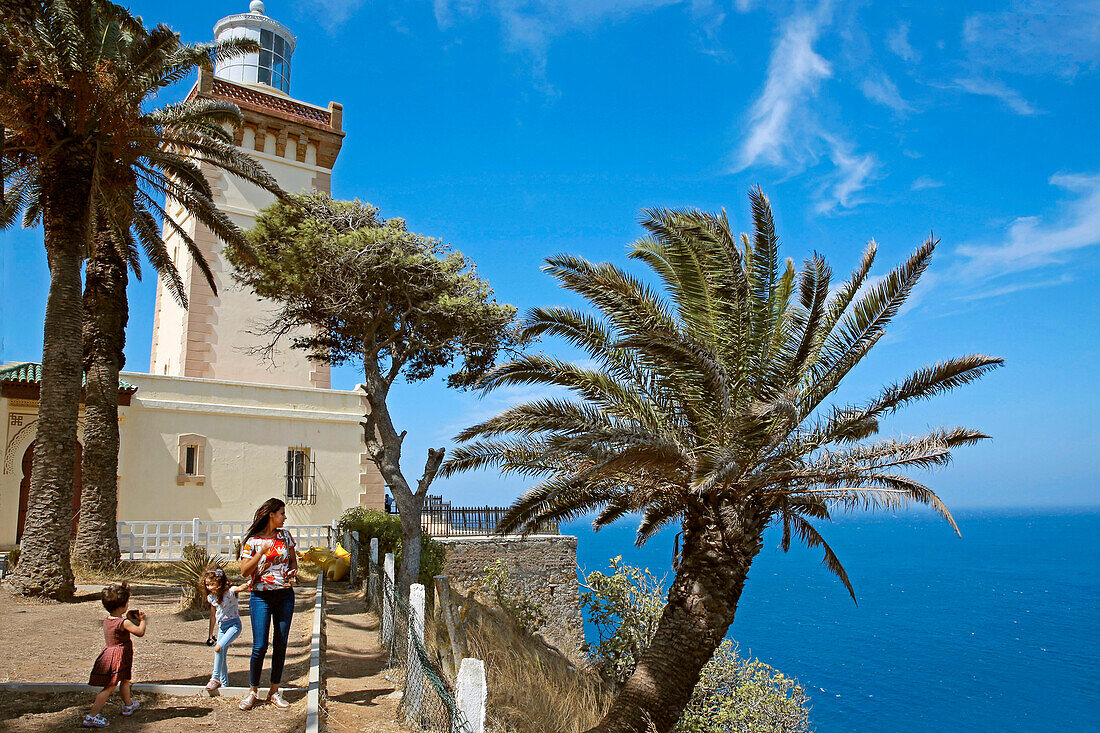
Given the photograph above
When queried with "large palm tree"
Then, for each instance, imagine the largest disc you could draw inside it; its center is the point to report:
(75, 76)
(705, 407)
(164, 162)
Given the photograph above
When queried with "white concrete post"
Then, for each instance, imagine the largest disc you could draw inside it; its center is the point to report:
(414, 676)
(388, 602)
(333, 536)
(372, 581)
(470, 695)
(195, 533)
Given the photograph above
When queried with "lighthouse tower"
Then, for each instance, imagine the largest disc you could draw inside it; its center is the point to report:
(297, 143)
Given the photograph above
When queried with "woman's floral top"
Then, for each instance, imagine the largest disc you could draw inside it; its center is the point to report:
(279, 566)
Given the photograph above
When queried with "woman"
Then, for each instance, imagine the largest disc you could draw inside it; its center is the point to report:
(267, 555)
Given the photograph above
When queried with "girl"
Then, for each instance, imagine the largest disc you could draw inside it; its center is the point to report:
(267, 554)
(113, 665)
(225, 614)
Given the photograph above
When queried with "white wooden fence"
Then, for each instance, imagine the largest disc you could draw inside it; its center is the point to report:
(166, 540)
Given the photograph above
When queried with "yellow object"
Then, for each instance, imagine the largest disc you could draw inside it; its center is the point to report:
(334, 563)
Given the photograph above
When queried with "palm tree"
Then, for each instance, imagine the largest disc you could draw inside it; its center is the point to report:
(706, 407)
(76, 74)
(163, 163)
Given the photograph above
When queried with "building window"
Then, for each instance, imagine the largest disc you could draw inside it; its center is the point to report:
(191, 467)
(299, 476)
(274, 67)
(190, 460)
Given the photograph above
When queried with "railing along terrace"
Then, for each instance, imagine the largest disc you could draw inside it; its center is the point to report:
(440, 519)
(165, 540)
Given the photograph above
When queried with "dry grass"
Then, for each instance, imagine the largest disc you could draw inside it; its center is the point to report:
(533, 688)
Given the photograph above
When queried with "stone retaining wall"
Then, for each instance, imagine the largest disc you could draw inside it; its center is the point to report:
(542, 568)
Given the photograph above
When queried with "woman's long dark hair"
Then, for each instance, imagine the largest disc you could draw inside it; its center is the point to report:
(259, 522)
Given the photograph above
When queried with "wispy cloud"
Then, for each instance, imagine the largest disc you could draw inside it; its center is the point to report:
(897, 40)
(529, 26)
(332, 14)
(785, 132)
(881, 88)
(924, 183)
(1036, 37)
(1032, 242)
(998, 90)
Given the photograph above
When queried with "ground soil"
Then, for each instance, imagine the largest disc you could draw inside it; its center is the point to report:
(359, 693)
(57, 642)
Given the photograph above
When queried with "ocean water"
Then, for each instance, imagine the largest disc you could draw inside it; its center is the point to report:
(996, 631)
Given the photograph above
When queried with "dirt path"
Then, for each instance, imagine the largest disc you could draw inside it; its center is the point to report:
(57, 642)
(359, 695)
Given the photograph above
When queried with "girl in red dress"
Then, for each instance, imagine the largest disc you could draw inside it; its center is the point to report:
(112, 668)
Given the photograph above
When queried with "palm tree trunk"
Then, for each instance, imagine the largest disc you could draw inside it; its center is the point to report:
(44, 568)
(105, 316)
(701, 605)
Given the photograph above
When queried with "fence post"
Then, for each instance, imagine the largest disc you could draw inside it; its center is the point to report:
(388, 601)
(333, 535)
(470, 696)
(414, 675)
(372, 579)
(353, 571)
(195, 534)
(456, 634)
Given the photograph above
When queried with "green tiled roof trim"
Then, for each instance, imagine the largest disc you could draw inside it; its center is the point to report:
(29, 372)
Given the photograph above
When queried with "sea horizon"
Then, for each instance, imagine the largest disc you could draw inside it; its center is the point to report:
(980, 633)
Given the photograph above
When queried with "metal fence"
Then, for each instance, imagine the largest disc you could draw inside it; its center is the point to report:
(165, 540)
(430, 701)
(439, 519)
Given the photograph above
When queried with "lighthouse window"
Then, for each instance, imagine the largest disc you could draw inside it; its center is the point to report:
(274, 69)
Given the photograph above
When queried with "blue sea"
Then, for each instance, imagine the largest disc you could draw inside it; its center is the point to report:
(996, 631)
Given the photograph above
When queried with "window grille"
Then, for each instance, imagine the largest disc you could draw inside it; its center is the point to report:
(190, 459)
(300, 473)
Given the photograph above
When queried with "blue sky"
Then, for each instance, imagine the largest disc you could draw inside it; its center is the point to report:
(515, 130)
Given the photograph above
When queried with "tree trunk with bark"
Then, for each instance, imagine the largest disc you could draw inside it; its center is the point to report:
(44, 568)
(701, 606)
(384, 447)
(105, 315)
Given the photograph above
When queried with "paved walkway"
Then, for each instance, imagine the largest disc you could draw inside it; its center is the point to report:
(359, 697)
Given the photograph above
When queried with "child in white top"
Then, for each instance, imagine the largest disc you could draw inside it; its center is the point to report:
(225, 614)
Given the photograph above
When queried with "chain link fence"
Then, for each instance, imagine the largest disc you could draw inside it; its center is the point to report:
(429, 700)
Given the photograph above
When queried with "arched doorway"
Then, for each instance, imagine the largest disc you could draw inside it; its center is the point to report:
(25, 489)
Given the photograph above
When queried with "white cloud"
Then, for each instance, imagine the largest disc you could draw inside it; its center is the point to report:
(881, 88)
(925, 182)
(1031, 243)
(853, 173)
(998, 90)
(1036, 37)
(795, 72)
(332, 14)
(897, 41)
(784, 130)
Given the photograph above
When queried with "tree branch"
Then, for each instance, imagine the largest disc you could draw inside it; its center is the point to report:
(431, 468)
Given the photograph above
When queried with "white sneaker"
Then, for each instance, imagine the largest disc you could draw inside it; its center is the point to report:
(249, 701)
(95, 721)
(128, 710)
(277, 699)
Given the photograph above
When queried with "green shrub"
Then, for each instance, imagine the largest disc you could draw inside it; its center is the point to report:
(733, 693)
(189, 572)
(387, 528)
(13, 558)
(523, 611)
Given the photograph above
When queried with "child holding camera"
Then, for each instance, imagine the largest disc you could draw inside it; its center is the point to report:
(225, 616)
(112, 667)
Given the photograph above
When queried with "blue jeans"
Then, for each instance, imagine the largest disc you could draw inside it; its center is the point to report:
(229, 630)
(264, 607)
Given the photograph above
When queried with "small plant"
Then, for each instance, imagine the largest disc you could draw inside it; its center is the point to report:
(13, 558)
(387, 528)
(732, 694)
(189, 572)
(524, 611)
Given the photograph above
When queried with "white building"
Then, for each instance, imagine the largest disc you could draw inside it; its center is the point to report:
(213, 430)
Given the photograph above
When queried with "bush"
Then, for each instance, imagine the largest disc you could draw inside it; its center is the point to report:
(733, 693)
(387, 528)
(13, 558)
(525, 612)
(189, 573)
